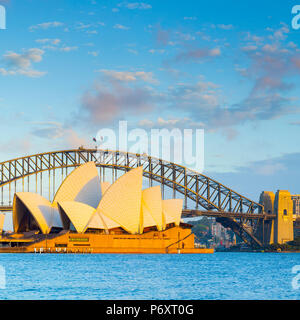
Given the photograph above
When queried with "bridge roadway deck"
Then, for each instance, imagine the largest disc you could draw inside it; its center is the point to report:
(196, 213)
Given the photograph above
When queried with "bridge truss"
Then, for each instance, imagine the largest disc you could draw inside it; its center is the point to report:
(202, 195)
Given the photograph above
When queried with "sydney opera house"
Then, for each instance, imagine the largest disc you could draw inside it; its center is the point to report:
(87, 216)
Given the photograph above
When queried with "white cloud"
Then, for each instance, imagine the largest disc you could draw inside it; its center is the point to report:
(198, 54)
(133, 51)
(121, 27)
(93, 53)
(269, 48)
(254, 38)
(269, 169)
(225, 26)
(170, 123)
(215, 52)
(68, 49)
(81, 26)
(53, 130)
(62, 48)
(108, 101)
(16, 63)
(190, 18)
(135, 5)
(27, 73)
(46, 25)
(292, 45)
(157, 51)
(92, 32)
(249, 48)
(279, 34)
(128, 76)
(51, 41)
(185, 36)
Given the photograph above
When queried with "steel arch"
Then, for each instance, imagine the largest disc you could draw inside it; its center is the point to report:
(202, 190)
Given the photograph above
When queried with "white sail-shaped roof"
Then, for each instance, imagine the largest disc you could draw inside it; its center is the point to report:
(104, 186)
(122, 201)
(172, 209)
(40, 208)
(96, 222)
(109, 223)
(78, 213)
(100, 221)
(77, 203)
(152, 201)
(147, 219)
(81, 185)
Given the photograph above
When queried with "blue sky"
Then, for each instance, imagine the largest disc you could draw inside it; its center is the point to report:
(69, 68)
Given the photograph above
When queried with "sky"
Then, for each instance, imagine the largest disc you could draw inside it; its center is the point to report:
(70, 68)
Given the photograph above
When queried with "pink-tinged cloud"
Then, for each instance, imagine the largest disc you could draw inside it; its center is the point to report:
(162, 36)
(21, 63)
(107, 103)
(198, 54)
(296, 62)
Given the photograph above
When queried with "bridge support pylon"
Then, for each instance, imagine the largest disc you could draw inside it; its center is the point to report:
(265, 227)
(279, 230)
(283, 207)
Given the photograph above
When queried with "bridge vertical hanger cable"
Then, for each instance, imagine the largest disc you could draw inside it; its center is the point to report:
(100, 174)
(185, 189)
(197, 191)
(41, 183)
(49, 167)
(15, 182)
(49, 186)
(161, 178)
(53, 178)
(62, 173)
(2, 200)
(9, 184)
(116, 171)
(28, 175)
(36, 177)
(174, 179)
(150, 171)
(23, 167)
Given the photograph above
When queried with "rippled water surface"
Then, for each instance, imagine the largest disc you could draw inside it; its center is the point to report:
(108, 276)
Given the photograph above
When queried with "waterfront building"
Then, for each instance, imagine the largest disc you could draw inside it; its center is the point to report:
(296, 205)
(89, 216)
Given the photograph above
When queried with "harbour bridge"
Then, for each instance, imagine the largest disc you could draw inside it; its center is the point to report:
(202, 195)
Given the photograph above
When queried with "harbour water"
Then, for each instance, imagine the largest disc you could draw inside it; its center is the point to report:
(107, 276)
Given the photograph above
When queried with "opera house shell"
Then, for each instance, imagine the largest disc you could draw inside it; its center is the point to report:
(89, 216)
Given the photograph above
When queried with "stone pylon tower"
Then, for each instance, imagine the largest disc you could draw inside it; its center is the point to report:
(283, 207)
(279, 230)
